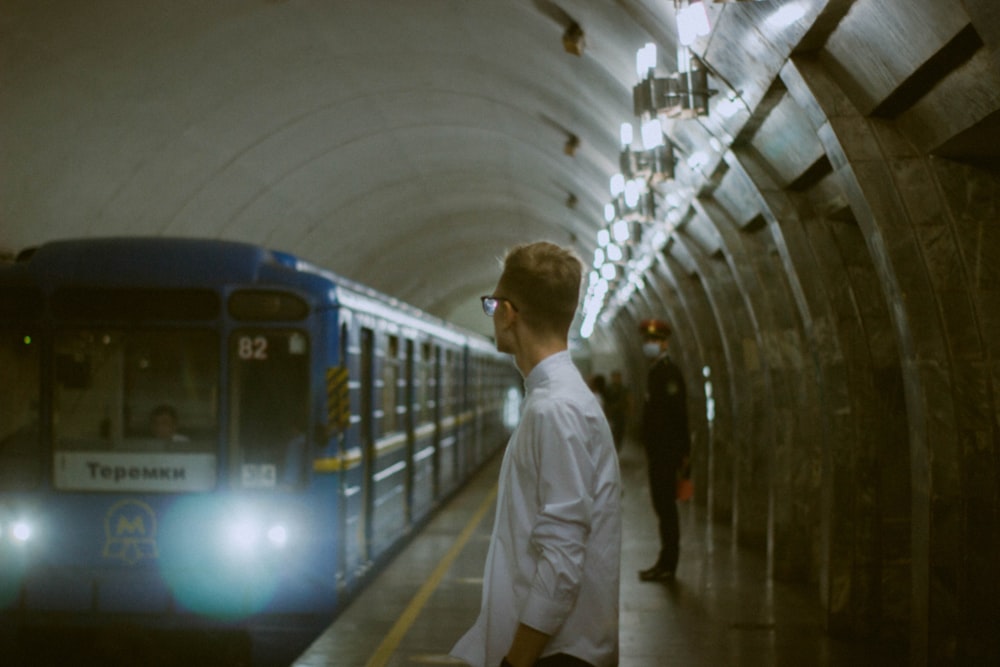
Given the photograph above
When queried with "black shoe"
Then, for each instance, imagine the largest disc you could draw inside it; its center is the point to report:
(656, 573)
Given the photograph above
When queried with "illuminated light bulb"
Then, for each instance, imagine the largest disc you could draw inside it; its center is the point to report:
(21, 531)
(692, 23)
(632, 191)
(626, 135)
(645, 59)
(652, 134)
(620, 231)
(609, 212)
(617, 185)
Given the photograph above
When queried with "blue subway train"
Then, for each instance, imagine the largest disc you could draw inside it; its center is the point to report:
(208, 434)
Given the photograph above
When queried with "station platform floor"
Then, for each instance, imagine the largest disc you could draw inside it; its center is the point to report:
(721, 610)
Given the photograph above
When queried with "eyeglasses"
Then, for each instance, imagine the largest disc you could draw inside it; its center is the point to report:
(490, 304)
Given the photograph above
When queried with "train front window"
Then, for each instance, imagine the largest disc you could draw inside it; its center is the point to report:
(20, 456)
(268, 407)
(135, 410)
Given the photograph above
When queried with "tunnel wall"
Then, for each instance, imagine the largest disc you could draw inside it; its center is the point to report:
(836, 272)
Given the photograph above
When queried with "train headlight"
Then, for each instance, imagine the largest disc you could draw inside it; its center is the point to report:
(249, 537)
(15, 527)
(277, 535)
(20, 531)
(243, 536)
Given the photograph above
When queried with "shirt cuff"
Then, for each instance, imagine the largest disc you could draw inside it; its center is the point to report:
(545, 615)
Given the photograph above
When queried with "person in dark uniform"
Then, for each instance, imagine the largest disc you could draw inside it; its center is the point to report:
(667, 441)
(617, 403)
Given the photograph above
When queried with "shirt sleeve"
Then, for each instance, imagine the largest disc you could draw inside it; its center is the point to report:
(565, 505)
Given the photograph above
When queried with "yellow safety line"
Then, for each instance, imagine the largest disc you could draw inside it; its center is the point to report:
(409, 615)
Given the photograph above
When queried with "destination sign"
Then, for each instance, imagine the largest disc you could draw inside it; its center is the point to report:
(134, 471)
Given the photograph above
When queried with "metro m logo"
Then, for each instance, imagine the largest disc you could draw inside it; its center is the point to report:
(130, 532)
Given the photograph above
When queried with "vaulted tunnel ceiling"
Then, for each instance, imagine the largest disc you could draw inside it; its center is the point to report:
(408, 144)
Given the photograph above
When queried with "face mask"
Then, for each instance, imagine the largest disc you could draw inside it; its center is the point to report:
(651, 350)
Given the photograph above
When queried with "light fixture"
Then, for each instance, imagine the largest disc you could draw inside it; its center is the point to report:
(634, 237)
(655, 162)
(692, 21)
(683, 94)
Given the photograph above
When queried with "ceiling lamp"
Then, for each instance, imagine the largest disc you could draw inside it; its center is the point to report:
(683, 94)
(655, 162)
(692, 21)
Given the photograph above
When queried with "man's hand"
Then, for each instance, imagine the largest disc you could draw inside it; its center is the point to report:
(527, 646)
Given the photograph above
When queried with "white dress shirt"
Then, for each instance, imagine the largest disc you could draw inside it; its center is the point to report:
(553, 561)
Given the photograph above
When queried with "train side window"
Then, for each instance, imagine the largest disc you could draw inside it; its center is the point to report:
(20, 455)
(407, 390)
(391, 395)
(268, 407)
(454, 381)
(424, 385)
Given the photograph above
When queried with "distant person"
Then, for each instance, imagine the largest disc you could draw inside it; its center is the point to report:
(550, 586)
(667, 441)
(163, 424)
(598, 383)
(617, 403)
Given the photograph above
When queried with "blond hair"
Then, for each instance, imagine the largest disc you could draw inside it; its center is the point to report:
(543, 281)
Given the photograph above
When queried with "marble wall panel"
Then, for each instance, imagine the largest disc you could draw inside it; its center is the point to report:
(972, 197)
(985, 15)
(787, 141)
(880, 43)
(942, 257)
(963, 99)
(748, 59)
(737, 195)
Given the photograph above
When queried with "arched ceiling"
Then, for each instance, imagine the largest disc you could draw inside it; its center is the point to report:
(405, 145)
(402, 144)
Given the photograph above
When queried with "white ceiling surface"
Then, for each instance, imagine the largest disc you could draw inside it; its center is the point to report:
(403, 144)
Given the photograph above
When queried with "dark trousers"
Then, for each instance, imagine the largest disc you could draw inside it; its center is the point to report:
(561, 660)
(663, 490)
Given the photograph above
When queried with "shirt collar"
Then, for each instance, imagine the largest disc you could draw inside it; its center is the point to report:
(546, 369)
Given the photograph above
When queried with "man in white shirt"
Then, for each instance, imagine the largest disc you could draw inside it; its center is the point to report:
(550, 587)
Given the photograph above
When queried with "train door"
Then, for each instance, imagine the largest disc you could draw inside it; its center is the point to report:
(367, 444)
(409, 425)
(450, 415)
(342, 551)
(424, 430)
(436, 414)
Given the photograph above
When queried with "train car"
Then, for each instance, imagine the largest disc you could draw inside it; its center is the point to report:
(201, 434)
